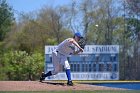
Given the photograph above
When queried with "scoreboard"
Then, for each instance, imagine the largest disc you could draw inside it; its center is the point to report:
(97, 62)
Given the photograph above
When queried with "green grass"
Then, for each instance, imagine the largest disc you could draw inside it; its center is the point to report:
(72, 91)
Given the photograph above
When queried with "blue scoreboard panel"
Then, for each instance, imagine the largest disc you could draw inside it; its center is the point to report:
(97, 62)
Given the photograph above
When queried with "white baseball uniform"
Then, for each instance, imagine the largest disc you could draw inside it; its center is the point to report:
(59, 56)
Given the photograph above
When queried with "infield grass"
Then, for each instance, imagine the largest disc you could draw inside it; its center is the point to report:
(102, 91)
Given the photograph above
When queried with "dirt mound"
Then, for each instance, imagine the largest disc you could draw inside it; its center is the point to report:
(47, 86)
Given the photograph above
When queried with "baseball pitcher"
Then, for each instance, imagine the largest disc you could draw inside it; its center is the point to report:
(59, 57)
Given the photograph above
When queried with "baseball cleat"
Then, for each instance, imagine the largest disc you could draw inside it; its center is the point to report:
(69, 83)
(42, 77)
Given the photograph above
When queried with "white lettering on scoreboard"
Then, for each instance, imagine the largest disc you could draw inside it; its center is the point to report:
(90, 49)
(86, 76)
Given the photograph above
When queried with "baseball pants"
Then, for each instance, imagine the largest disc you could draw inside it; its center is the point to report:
(58, 61)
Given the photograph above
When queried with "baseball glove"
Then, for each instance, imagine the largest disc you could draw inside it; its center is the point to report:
(82, 42)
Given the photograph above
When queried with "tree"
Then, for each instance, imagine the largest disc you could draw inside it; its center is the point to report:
(34, 31)
(102, 14)
(130, 39)
(19, 65)
(53, 18)
(133, 6)
(6, 18)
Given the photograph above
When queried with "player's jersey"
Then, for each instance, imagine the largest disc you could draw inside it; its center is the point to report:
(66, 47)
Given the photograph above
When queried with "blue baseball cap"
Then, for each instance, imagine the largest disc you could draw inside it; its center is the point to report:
(77, 34)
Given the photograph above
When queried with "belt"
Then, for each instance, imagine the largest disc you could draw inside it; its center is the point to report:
(60, 53)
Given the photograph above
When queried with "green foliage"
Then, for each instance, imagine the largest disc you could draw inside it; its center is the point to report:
(32, 35)
(102, 22)
(133, 28)
(19, 65)
(6, 18)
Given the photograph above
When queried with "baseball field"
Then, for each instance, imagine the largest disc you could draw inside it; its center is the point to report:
(57, 87)
(97, 91)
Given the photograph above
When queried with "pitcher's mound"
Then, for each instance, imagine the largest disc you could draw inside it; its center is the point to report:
(47, 86)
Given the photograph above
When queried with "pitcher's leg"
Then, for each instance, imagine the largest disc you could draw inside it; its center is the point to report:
(68, 73)
(56, 65)
(50, 73)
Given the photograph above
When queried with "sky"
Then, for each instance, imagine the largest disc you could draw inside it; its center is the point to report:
(26, 6)
(33, 5)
